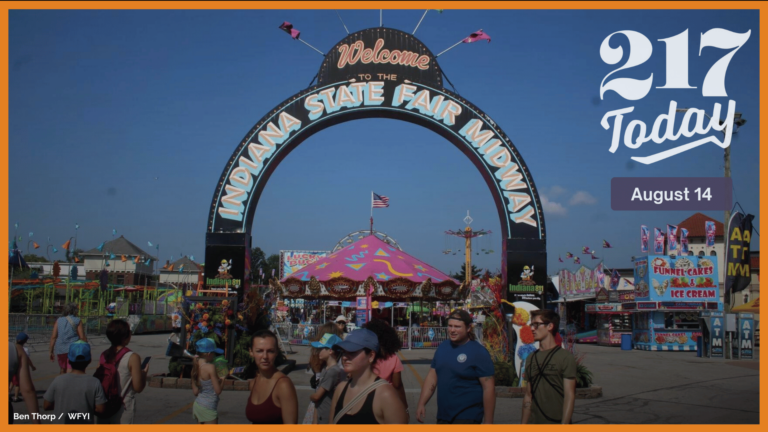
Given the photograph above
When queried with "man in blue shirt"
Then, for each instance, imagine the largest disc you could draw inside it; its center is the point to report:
(462, 372)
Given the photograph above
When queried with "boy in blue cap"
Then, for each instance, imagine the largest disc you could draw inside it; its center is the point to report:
(76, 397)
(330, 377)
(21, 339)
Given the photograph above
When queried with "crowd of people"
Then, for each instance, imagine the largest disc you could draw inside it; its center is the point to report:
(357, 377)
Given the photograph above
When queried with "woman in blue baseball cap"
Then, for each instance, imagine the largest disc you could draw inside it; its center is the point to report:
(365, 398)
(205, 383)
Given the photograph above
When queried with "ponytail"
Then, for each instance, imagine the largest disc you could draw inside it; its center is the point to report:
(196, 371)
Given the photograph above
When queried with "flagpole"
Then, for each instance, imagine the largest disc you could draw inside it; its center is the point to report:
(342, 22)
(381, 17)
(450, 48)
(371, 213)
(422, 19)
(302, 41)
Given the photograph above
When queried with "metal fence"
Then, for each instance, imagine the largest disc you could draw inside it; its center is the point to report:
(39, 327)
(413, 337)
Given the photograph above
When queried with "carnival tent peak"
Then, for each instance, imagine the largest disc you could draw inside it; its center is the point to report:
(343, 274)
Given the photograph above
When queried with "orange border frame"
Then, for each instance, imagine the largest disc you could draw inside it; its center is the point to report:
(762, 7)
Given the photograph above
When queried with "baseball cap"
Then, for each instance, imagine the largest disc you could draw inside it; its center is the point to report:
(327, 341)
(461, 315)
(341, 318)
(79, 352)
(21, 337)
(206, 345)
(359, 339)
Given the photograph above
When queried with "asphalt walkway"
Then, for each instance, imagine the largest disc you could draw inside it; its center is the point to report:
(639, 387)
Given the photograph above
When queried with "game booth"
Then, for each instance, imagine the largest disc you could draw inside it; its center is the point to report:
(612, 320)
(670, 295)
(578, 291)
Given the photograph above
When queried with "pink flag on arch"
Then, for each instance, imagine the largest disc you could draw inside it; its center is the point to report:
(477, 36)
(288, 28)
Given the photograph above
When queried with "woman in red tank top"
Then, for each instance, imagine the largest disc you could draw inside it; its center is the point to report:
(273, 399)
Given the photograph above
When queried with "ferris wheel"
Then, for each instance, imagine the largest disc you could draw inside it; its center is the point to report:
(359, 235)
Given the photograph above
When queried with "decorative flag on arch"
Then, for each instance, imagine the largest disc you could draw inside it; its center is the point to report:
(683, 241)
(37, 246)
(644, 236)
(288, 28)
(137, 260)
(585, 250)
(709, 227)
(559, 259)
(65, 246)
(568, 255)
(606, 244)
(658, 243)
(149, 243)
(671, 238)
(123, 258)
(593, 256)
(477, 36)
(379, 201)
(101, 247)
(615, 279)
(577, 260)
(170, 267)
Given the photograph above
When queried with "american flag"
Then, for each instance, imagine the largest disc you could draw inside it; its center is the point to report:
(380, 201)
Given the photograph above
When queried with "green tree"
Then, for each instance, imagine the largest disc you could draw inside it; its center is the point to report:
(30, 258)
(460, 276)
(260, 260)
(273, 263)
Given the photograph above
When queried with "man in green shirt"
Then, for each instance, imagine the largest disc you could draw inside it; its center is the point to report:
(550, 375)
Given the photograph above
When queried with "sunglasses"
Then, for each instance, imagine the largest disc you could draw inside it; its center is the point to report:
(536, 325)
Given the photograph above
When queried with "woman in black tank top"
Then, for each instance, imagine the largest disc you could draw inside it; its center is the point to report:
(381, 405)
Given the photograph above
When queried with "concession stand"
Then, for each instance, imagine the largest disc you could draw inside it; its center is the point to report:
(670, 294)
(612, 320)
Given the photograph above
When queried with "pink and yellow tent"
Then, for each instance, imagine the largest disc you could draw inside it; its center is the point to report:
(350, 272)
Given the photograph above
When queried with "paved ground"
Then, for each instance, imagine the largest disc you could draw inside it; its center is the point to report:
(638, 387)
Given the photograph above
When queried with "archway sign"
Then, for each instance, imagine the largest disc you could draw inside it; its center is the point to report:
(378, 73)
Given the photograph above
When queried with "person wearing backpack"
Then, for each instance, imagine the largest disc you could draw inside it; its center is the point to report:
(75, 397)
(550, 375)
(121, 376)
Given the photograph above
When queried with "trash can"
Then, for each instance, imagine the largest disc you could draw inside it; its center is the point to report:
(700, 347)
(626, 342)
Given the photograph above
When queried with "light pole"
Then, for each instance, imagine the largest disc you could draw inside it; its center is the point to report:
(738, 122)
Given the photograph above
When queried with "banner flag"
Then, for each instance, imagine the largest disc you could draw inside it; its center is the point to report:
(644, 234)
(709, 228)
(658, 243)
(671, 238)
(683, 241)
(738, 275)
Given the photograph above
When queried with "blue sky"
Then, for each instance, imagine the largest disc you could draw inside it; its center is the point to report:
(125, 120)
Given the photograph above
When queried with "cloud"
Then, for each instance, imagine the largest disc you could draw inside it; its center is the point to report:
(556, 191)
(582, 198)
(552, 208)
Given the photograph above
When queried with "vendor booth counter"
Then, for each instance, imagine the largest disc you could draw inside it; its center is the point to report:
(612, 322)
(671, 293)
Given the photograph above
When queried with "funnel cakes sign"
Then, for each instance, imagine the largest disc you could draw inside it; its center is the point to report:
(681, 279)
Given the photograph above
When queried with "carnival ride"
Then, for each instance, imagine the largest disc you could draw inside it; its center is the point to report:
(139, 305)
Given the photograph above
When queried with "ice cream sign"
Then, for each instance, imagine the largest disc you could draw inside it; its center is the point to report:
(684, 278)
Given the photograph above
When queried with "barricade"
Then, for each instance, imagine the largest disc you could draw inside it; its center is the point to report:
(39, 327)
